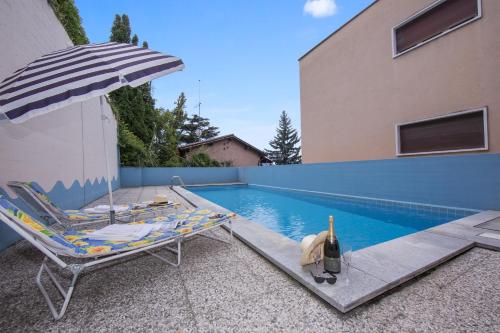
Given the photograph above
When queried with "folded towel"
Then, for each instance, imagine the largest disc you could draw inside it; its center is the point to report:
(141, 205)
(105, 209)
(123, 232)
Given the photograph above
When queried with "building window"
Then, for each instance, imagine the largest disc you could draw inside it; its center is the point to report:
(458, 132)
(434, 21)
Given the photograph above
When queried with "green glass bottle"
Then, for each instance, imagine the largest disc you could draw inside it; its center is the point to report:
(331, 250)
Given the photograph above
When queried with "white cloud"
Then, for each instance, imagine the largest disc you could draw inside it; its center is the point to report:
(320, 8)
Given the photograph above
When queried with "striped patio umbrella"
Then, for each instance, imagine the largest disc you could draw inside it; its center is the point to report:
(76, 74)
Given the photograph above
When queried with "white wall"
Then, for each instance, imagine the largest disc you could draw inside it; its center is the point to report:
(64, 145)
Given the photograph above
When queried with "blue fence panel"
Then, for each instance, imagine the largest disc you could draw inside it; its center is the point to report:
(133, 177)
(130, 177)
(468, 181)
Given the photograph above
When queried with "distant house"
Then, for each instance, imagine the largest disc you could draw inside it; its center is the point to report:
(228, 149)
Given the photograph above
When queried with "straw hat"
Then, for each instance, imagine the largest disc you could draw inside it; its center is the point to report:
(312, 249)
(160, 198)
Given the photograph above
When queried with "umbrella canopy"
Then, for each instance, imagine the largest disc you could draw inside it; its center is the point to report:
(79, 73)
(76, 74)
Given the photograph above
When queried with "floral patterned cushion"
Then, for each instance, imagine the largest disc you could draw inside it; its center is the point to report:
(190, 221)
(81, 215)
(76, 243)
(37, 227)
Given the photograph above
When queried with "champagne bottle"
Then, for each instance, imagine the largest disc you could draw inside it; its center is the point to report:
(331, 250)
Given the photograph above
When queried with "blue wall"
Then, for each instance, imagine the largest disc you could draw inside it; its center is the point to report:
(76, 196)
(467, 181)
(133, 177)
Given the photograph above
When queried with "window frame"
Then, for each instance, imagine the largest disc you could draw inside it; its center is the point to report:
(395, 53)
(450, 115)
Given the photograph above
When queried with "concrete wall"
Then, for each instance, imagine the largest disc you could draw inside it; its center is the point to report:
(353, 92)
(465, 181)
(63, 150)
(134, 177)
(230, 150)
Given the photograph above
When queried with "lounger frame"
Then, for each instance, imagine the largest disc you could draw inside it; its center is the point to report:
(77, 269)
(14, 185)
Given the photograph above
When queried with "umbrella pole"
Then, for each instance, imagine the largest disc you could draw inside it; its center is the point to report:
(110, 190)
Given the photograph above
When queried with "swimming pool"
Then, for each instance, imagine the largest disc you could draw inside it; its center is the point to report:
(358, 222)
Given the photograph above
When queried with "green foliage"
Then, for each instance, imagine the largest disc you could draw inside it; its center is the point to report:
(284, 143)
(179, 114)
(132, 149)
(135, 40)
(149, 136)
(68, 15)
(202, 159)
(197, 128)
(136, 109)
(120, 31)
(165, 143)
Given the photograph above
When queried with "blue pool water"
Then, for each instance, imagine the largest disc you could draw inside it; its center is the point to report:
(359, 223)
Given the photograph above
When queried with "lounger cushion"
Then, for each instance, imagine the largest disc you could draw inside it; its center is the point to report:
(75, 243)
(190, 221)
(81, 215)
(40, 230)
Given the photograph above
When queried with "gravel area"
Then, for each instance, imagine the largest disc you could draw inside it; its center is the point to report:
(231, 288)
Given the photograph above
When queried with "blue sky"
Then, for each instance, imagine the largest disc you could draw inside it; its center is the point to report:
(244, 52)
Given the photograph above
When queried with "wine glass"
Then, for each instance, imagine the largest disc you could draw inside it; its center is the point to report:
(317, 260)
(346, 260)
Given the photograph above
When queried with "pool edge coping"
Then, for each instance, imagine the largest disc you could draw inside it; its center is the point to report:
(398, 260)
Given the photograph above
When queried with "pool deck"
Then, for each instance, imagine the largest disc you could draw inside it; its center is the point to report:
(232, 288)
(375, 269)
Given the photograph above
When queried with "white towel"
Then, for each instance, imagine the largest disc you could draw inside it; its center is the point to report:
(123, 232)
(100, 209)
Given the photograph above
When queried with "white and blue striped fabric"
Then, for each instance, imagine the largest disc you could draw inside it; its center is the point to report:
(79, 73)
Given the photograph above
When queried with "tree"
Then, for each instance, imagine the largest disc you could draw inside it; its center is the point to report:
(136, 109)
(197, 128)
(68, 15)
(126, 27)
(165, 142)
(135, 40)
(284, 149)
(179, 114)
(120, 31)
(145, 44)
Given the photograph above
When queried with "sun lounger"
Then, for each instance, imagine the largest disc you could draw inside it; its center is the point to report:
(56, 245)
(40, 202)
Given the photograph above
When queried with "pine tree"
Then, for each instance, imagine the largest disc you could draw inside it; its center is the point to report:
(135, 40)
(284, 149)
(197, 128)
(145, 45)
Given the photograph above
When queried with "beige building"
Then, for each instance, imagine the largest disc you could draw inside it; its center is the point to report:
(404, 78)
(227, 149)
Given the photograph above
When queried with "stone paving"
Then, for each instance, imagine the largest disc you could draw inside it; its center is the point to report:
(232, 288)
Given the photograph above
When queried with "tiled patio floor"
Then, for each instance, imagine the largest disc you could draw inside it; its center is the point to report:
(223, 288)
